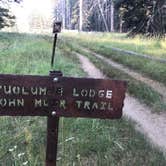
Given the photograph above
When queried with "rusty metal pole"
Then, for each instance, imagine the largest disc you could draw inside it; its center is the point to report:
(52, 140)
(56, 29)
(52, 120)
(53, 49)
(52, 132)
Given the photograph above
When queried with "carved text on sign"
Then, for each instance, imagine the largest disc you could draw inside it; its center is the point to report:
(17, 90)
(69, 97)
(43, 91)
(91, 93)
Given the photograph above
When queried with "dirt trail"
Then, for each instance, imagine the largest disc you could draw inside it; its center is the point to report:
(158, 87)
(151, 124)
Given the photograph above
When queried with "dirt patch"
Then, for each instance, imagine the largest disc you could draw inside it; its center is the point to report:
(94, 72)
(151, 124)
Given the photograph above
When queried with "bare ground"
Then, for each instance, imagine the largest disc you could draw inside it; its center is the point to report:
(156, 86)
(152, 125)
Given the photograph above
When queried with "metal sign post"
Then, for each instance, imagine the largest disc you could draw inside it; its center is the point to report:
(56, 30)
(53, 120)
(52, 140)
(52, 132)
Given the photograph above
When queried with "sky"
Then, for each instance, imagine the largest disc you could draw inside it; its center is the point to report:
(24, 11)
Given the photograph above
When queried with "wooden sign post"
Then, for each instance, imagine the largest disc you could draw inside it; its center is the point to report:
(56, 96)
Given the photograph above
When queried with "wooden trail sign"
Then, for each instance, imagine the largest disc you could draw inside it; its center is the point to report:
(56, 96)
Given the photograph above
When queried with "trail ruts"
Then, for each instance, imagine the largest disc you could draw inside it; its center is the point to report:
(155, 85)
(151, 124)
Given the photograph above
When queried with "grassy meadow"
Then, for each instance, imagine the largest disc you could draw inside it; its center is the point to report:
(102, 43)
(82, 142)
(152, 69)
(151, 46)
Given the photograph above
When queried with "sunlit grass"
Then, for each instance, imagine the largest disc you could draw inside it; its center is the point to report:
(95, 42)
(150, 46)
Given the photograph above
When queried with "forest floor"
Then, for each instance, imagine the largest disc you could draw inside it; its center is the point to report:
(151, 124)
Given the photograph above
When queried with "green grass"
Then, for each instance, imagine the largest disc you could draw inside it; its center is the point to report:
(22, 140)
(101, 43)
(81, 141)
(136, 88)
(105, 143)
(150, 46)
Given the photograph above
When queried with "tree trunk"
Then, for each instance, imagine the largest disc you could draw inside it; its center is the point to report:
(68, 14)
(81, 15)
(121, 25)
(112, 16)
(64, 14)
(103, 17)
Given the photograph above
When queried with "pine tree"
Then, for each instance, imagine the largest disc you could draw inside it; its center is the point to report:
(6, 17)
(145, 17)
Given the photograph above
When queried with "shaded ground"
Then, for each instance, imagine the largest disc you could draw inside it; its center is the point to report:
(151, 124)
